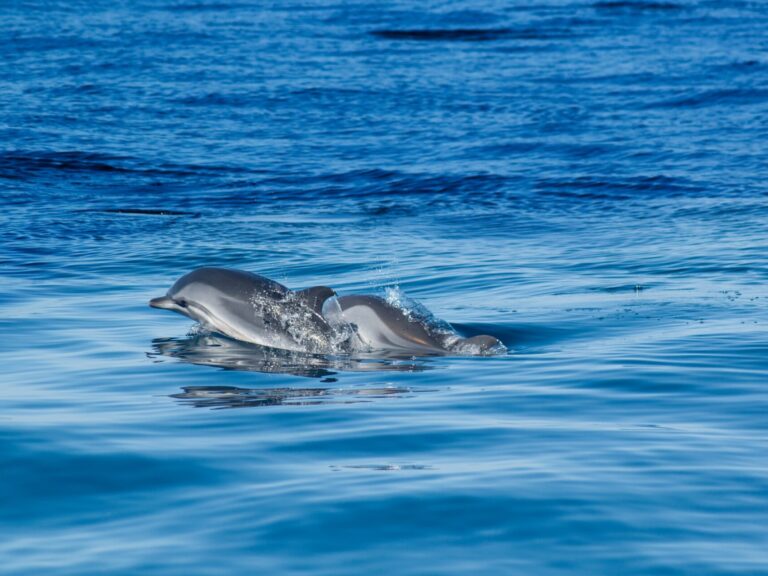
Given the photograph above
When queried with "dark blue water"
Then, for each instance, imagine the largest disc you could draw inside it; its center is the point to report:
(584, 180)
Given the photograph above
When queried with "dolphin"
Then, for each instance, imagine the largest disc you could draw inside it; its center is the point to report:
(252, 308)
(382, 326)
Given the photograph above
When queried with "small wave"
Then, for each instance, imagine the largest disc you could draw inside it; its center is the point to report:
(522, 337)
(633, 288)
(52, 43)
(616, 188)
(741, 66)
(469, 34)
(207, 7)
(141, 212)
(77, 161)
(383, 467)
(728, 96)
(218, 99)
(21, 164)
(380, 183)
(638, 6)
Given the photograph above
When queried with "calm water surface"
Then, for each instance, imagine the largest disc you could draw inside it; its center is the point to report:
(586, 181)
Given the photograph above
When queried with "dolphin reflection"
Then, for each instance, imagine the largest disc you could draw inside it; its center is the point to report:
(223, 352)
(221, 397)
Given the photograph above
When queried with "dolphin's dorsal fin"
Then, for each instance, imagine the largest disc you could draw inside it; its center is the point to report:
(315, 296)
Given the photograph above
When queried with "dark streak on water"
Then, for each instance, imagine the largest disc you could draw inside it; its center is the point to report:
(585, 181)
(467, 34)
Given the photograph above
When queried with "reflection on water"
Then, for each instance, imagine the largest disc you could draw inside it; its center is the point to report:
(383, 467)
(222, 352)
(219, 397)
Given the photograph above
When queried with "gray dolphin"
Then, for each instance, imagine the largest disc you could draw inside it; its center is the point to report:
(252, 308)
(255, 309)
(382, 326)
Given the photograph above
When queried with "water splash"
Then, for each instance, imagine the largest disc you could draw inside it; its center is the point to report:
(308, 330)
(438, 328)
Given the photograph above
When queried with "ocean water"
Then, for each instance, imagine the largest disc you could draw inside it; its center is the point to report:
(584, 180)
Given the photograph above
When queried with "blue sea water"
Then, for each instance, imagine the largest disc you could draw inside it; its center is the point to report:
(585, 180)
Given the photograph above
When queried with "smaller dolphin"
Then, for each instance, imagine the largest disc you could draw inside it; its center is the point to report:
(382, 326)
(251, 308)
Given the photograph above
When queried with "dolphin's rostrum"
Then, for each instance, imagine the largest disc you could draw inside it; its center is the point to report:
(255, 309)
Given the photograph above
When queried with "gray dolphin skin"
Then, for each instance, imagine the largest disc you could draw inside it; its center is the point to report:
(255, 309)
(380, 325)
(250, 308)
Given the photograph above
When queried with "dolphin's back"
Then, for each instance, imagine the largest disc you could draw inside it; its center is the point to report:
(381, 325)
(235, 283)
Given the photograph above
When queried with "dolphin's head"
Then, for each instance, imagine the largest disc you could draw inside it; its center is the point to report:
(194, 293)
(185, 296)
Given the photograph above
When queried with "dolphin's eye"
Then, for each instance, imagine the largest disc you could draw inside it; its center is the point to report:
(182, 303)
